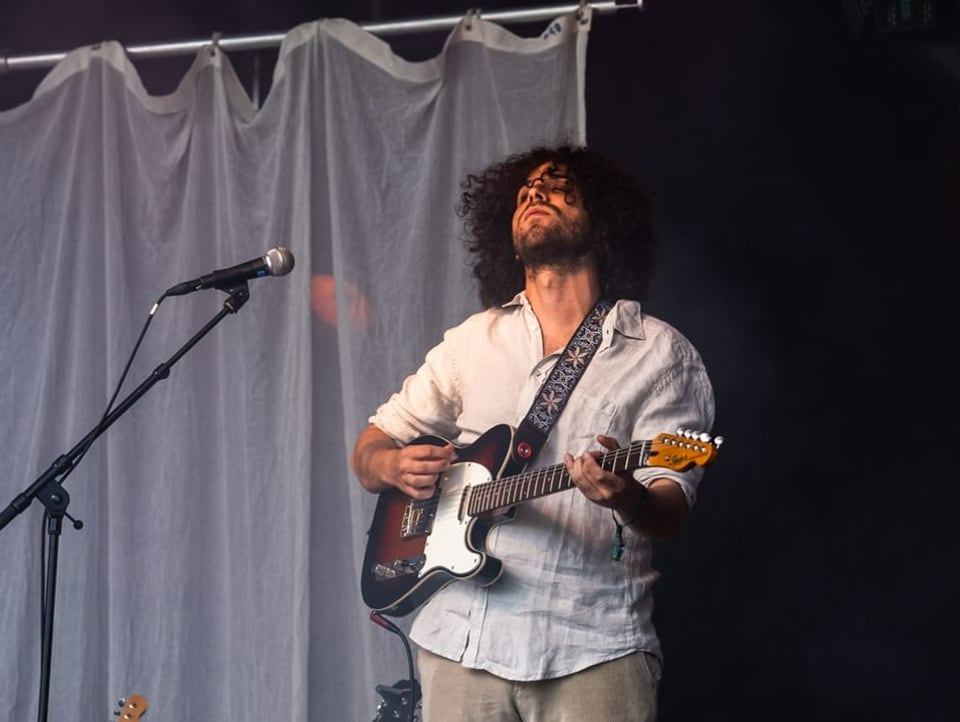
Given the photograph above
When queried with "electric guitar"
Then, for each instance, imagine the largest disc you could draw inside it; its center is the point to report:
(417, 547)
(134, 707)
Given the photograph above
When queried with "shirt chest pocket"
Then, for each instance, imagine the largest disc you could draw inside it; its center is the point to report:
(583, 418)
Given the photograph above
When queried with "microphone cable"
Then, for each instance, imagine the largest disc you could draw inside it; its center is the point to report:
(77, 524)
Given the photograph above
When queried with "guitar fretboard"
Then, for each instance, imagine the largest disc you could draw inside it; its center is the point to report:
(511, 490)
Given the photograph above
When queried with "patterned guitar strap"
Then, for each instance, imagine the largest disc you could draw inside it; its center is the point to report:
(553, 394)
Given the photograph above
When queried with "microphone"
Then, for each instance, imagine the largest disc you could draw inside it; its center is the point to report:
(277, 262)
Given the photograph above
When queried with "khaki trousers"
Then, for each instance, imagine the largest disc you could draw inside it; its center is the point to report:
(623, 690)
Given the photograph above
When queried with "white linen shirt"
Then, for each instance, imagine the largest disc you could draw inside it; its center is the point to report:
(561, 603)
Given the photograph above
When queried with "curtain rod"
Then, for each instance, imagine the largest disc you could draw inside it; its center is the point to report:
(271, 40)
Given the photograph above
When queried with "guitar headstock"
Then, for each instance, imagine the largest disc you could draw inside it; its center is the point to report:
(683, 450)
(133, 708)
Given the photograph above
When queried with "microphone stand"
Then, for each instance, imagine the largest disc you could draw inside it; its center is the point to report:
(54, 497)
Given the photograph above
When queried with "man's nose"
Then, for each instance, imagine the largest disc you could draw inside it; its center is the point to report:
(537, 191)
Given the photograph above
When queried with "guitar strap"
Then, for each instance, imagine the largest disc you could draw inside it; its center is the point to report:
(553, 394)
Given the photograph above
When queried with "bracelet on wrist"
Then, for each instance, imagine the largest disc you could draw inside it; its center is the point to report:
(616, 549)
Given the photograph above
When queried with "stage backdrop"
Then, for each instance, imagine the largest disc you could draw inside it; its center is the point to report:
(217, 571)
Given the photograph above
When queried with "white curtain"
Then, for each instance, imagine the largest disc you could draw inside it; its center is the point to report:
(217, 571)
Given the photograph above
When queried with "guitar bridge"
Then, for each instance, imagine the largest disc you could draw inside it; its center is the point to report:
(383, 571)
(418, 518)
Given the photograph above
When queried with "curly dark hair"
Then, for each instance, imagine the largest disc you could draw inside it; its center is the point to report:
(618, 208)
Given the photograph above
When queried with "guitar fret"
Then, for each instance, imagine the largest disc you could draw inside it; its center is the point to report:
(557, 476)
(543, 476)
(617, 458)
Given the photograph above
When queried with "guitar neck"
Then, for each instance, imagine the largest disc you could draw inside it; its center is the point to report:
(528, 485)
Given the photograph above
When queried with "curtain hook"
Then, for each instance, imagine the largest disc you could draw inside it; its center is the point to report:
(582, 9)
(215, 42)
(471, 14)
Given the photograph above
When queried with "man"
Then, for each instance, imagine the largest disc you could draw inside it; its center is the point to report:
(565, 633)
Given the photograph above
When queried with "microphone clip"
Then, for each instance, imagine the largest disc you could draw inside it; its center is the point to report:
(238, 294)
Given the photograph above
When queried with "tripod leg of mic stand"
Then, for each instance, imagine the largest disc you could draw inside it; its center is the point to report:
(56, 499)
(54, 525)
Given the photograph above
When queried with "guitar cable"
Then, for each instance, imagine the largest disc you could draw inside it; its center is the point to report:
(376, 618)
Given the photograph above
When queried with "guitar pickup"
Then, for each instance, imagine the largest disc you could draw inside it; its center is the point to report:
(398, 568)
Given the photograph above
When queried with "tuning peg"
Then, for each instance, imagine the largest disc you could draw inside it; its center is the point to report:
(701, 436)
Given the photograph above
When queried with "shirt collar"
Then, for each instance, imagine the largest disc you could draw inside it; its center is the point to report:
(519, 300)
(626, 317)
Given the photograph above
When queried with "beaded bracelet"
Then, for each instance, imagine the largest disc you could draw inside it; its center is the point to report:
(616, 551)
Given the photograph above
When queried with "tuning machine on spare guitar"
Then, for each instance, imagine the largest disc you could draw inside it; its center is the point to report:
(131, 709)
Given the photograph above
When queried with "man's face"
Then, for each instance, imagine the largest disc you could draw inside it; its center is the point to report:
(550, 223)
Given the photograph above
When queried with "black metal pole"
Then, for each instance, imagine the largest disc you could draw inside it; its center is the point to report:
(47, 487)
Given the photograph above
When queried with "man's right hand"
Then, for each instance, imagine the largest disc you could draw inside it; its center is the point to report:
(413, 470)
(416, 469)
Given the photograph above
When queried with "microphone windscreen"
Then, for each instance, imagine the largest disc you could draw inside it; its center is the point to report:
(279, 261)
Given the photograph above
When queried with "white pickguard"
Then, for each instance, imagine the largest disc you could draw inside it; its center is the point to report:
(446, 546)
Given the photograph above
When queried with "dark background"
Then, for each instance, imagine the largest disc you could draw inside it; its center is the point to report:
(805, 165)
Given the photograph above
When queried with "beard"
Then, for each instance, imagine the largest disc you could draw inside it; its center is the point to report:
(564, 247)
